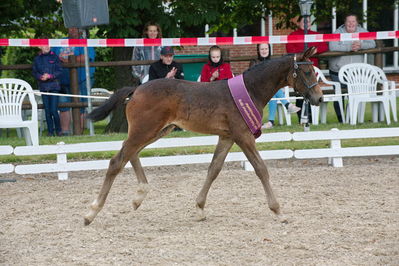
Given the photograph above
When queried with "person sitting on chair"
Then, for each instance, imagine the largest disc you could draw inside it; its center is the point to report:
(263, 51)
(299, 48)
(335, 63)
(216, 68)
(166, 67)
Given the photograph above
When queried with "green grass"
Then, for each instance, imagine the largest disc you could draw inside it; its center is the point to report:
(10, 138)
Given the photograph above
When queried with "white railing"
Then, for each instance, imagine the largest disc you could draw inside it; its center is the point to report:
(335, 153)
(62, 166)
(6, 168)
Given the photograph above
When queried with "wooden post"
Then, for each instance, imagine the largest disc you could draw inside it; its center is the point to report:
(378, 59)
(73, 75)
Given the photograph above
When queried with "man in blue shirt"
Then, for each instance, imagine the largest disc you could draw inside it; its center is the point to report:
(63, 54)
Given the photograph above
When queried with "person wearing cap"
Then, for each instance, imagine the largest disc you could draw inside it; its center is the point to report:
(166, 67)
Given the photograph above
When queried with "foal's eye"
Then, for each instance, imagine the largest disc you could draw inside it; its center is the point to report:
(307, 73)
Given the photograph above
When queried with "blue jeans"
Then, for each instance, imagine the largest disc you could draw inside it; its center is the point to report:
(273, 104)
(50, 103)
(64, 99)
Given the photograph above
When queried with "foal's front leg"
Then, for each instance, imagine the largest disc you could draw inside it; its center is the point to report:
(219, 156)
(249, 148)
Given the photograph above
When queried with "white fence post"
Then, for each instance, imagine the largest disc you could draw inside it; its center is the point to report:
(6, 168)
(62, 159)
(335, 144)
(247, 166)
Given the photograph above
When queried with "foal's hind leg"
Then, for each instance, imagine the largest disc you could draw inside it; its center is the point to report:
(219, 156)
(115, 166)
(249, 148)
(143, 187)
(129, 151)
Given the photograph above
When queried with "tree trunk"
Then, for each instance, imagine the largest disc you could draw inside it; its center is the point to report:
(123, 77)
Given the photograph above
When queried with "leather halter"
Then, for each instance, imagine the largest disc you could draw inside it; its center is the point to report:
(296, 68)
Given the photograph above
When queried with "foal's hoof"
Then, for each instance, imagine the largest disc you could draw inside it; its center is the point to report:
(142, 191)
(200, 214)
(86, 221)
(136, 205)
(275, 208)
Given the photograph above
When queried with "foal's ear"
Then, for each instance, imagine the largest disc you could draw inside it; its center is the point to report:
(309, 52)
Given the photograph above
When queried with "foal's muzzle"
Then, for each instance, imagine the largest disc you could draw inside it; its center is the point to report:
(315, 96)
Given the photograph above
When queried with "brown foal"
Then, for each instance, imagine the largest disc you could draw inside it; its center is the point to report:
(156, 107)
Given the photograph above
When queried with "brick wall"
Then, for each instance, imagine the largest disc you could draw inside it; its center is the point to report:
(394, 77)
(234, 50)
(239, 50)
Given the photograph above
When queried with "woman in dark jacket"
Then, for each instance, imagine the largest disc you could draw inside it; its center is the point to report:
(46, 70)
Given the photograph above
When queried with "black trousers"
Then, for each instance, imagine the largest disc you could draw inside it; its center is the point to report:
(299, 103)
(334, 77)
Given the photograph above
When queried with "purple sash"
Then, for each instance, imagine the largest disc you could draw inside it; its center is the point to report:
(245, 105)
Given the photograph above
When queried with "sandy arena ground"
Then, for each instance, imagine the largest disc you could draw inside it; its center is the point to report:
(336, 216)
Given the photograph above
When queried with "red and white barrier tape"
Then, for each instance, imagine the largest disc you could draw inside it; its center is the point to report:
(277, 99)
(278, 39)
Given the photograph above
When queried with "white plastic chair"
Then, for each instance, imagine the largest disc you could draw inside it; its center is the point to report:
(315, 113)
(12, 94)
(100, 92)
(282, 111)
(362, 81)
(322, 109)
(145, 79)
(41, 117)
(388, 85)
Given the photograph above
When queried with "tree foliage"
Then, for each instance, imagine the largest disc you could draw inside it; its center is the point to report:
(178, 18)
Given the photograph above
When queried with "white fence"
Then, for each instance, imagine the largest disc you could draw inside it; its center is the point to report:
(6, 168)
(335, 153)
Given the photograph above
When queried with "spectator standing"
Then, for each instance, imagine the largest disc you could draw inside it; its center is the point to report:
(63, 54)
(351, 25)
(151, 31)
(46, 70)
(216, 68)
(299, 48)
(263, 51)
(166, 67)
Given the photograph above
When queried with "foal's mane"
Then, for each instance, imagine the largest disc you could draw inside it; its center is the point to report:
(266, 63)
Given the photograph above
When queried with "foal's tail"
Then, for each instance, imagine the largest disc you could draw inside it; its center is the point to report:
(116, 99)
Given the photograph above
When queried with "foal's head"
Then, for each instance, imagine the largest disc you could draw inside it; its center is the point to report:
(302, 77)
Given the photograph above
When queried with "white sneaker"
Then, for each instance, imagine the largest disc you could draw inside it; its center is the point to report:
(267, 125)
(293, 108)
